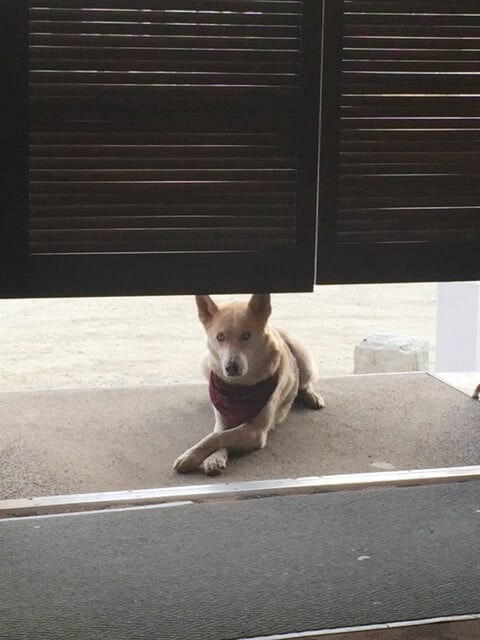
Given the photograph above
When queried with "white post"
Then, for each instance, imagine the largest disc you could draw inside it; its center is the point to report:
(458, 327)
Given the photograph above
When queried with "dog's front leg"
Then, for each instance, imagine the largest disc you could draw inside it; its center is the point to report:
(246, 437)
(216, 461)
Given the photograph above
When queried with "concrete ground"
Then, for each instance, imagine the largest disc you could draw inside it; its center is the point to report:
(94, 440)
(110, 342)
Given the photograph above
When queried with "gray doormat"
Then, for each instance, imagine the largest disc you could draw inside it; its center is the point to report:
(57, 442)
(234, 570)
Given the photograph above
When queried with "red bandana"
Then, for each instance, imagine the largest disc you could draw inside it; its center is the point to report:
(240, 403)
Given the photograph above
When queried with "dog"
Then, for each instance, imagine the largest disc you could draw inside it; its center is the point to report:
(255, 373)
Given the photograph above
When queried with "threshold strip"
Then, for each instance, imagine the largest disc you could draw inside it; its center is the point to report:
(365, 628)
(234, 491)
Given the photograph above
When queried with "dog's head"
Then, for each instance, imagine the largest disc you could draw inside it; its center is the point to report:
(236, 332)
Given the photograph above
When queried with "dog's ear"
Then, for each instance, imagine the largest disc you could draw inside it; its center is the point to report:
(260, 305)
(206, 308)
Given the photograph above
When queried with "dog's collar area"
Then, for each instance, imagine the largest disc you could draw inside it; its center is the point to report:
(239, 403)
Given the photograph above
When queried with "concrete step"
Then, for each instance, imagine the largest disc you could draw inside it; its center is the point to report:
(94, 440)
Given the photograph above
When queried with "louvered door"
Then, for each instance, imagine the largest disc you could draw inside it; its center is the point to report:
(172, 146)
(400, 188)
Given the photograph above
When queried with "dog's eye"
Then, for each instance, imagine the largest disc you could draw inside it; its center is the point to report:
(220, 337)
(246, 335)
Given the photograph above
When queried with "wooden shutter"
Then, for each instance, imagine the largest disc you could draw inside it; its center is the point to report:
(172, 146)
(400, 162)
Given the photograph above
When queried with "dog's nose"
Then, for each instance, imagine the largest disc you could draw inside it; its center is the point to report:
(232, 368)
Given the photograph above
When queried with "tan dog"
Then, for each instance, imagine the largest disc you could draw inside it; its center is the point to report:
(255, 374)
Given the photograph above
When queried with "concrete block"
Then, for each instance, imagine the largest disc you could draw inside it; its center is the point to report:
(386, 352)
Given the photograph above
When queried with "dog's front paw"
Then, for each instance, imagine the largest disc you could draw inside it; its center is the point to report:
(215, 463)
(188, 461)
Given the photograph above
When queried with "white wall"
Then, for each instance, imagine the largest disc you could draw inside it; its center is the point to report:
(458, 327)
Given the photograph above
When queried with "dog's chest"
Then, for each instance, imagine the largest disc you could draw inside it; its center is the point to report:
(240, 403)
